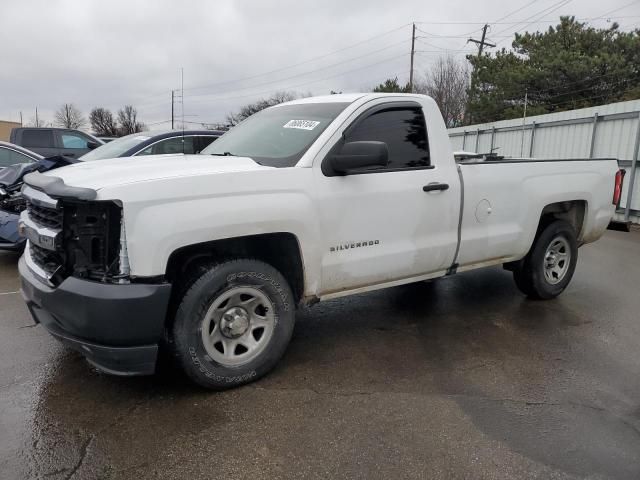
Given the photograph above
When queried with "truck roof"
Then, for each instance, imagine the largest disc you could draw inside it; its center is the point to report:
(348, 97)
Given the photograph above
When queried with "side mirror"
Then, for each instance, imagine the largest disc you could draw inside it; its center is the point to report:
(92, 145)
(355, 156)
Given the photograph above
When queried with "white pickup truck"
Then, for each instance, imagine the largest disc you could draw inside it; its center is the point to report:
(208, 256)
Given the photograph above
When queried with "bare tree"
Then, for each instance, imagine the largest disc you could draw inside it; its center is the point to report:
(39, 123)
(102, 122)
(68, 116)
(128, 120)
(248, 110)
(447, 83)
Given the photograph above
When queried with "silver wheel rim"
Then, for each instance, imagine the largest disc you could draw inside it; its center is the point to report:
(556, 260)
(238, 326)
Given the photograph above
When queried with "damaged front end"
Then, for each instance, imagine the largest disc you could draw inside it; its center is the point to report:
(74, 237)
(75, 279)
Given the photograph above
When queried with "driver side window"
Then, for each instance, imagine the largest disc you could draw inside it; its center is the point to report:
(169, 146)
(404, 131)
(73, 140)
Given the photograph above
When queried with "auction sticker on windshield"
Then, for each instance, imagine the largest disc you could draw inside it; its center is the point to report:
(301, 124)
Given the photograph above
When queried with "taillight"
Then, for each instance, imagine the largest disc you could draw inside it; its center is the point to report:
(617, 189)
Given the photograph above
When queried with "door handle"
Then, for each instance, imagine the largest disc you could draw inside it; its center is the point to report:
(433, 187)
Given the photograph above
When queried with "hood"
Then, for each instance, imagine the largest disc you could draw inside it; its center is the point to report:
(120, 171)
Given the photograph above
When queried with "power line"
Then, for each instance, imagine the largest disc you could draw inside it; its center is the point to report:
(431, 53)
(349, 60)
(254, 94)
(413, 51)
(604, 15)
(582, 99)
(517, 87)
(441, 51)
(515, 11)
(158, 123)
(543, 12)
(437, 35)
(548, 101)
(154, 104)
(375, 37)
(439, 48)
(378, 80)
(368, 40)
(517, 22)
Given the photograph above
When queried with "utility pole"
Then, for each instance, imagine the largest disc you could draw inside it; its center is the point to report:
(481, 43)
(172, 101)
(413, 51)
(20, 118)
(182, 95)
(37, 122)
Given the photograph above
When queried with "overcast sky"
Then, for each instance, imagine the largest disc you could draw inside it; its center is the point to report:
(97, 53)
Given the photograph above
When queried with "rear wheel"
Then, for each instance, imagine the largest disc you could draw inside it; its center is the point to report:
(233, 324)
(548, 267)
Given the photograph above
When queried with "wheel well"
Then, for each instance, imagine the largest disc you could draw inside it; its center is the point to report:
(280, 250)
(572, 211)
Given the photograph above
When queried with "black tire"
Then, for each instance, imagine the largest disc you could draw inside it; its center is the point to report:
(217, 281)
(530, 275)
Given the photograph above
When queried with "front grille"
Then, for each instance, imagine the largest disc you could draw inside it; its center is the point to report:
(71, 237)
(47, 217)
(45, 259)
(49, 261)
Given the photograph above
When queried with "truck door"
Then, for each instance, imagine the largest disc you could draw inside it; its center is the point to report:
(383, 226)
(73, 143)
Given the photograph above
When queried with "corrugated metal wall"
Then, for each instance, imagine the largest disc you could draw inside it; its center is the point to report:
(606, 131)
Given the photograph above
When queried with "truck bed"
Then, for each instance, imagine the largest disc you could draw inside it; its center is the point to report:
(503, 201)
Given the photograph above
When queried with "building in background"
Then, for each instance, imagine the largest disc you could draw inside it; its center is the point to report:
(5, 129)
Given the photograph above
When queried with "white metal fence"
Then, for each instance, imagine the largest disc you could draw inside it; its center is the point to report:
(606, 131)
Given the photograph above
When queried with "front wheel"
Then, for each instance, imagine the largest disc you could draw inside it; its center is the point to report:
(548, 267)
(233, 324)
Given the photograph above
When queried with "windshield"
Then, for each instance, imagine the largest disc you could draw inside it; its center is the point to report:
(115, 148)
(278, 136)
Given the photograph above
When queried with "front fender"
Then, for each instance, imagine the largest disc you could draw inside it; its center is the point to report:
(162, 216)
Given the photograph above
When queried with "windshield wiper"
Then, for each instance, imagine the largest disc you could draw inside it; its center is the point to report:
(225, 154)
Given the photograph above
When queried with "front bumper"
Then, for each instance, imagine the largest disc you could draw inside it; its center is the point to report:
(116, 327)
(9, 237)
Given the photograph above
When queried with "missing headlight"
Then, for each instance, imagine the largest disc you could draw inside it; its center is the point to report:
(92, 240)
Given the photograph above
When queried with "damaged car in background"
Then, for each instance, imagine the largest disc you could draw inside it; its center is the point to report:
(12, 203)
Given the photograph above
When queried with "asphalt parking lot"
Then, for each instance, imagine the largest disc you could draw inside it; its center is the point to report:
(459, 378)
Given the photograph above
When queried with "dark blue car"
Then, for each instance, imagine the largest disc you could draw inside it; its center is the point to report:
(154, 143)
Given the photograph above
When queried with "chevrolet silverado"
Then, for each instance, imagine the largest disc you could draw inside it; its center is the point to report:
(207, 256)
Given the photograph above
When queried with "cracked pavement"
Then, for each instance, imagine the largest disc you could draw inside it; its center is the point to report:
(458, 378)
